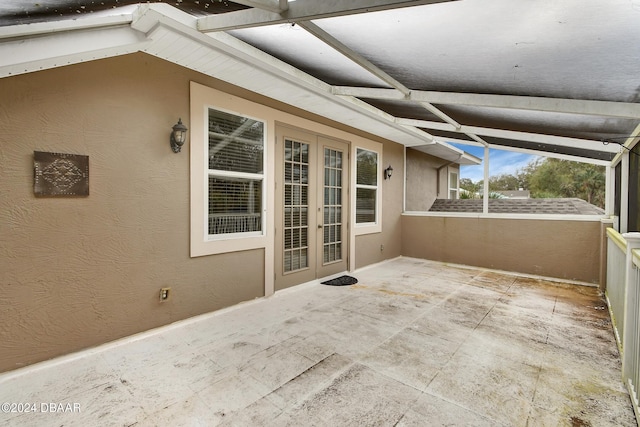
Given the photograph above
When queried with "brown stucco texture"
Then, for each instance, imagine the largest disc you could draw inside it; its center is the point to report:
(563, 249)
(77, 272)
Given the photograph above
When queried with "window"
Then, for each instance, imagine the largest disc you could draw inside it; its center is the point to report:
(235, 175)
(230, 193)
(453, 185)
(366, 186)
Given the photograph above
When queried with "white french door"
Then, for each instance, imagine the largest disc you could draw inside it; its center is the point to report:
(312, 178)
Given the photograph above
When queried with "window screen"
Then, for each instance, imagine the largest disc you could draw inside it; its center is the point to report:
(236, 173)
(366, 186)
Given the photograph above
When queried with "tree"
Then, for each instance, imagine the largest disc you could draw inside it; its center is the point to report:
(563, 178)
(548, 178)
(504, 182)
(472, 190)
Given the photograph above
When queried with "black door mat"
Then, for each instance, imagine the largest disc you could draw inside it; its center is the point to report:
(341, 281)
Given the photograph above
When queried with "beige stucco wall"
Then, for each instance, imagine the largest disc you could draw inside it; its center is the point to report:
(423, 186)
(552, 248)
(77, 272)
(368, 246)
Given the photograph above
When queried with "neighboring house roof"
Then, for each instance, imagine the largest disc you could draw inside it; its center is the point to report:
(516, 194)
(519, 206)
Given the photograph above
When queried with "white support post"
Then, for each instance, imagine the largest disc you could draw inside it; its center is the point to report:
(404, 182)
(633, 242)
(624, 190)
(485, 197)
(609, 190)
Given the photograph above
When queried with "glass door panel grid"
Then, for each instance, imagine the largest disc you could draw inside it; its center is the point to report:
(332, 229)
(296, 205)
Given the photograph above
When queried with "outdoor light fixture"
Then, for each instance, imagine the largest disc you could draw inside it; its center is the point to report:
(388, 172)
(178, 136)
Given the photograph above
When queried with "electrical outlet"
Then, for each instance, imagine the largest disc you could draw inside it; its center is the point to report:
(164, 294)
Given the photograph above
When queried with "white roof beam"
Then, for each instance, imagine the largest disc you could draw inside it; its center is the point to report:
(357, 58)
(627, 110)
(451, 121)
(533, 152)
(300, 10)
(562, 141)
(364, 63)
(552, 155)
(372, 68)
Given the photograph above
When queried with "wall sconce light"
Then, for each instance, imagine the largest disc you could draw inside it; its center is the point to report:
(388, 172)
(178, 136)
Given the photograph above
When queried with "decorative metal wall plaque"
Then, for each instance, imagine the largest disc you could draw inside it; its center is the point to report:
(59, 174)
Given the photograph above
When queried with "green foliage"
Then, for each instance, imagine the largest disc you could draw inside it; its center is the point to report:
(473, 190)
(549, 178)
(563, 178)
(504, 182)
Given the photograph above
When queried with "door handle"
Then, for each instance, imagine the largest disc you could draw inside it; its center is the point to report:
(319, 225)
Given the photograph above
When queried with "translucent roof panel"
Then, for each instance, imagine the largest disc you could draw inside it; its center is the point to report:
(563, 49)
(293, 45)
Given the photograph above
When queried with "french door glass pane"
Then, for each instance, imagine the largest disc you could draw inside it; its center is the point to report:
(332, 237)
(296, 190)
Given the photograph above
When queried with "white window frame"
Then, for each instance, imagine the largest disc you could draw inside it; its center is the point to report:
(457, 188)
(369, 227)
(202, 243)
(217, 173)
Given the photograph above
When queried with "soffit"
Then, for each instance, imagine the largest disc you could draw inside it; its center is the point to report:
(558, 77)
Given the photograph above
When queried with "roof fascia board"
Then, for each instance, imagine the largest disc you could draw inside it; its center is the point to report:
(508, 134)
(301, 10)
(626, 110)
(462, 153)
(24, 55)
(472, 159)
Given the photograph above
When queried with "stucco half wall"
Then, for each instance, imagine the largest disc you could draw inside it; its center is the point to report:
(565, 249)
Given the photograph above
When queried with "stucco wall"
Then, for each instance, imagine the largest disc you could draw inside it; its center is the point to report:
(553, 248)
(423, 186)
(368, 246)
(77, 272)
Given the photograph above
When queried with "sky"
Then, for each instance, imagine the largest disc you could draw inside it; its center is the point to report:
(501, 162)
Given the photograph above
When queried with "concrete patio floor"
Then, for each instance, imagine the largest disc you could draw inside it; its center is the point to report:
(414, 343)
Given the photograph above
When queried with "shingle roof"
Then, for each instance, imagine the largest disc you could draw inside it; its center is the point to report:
(519, 206)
